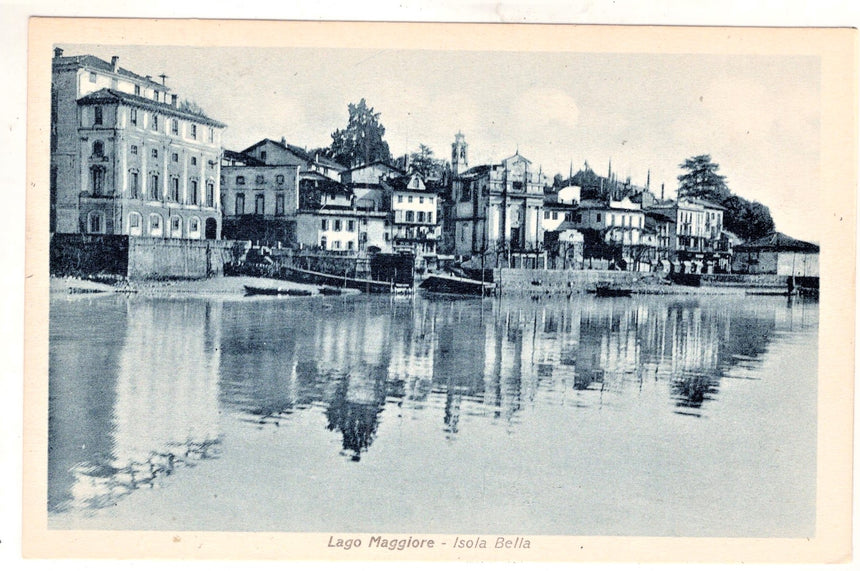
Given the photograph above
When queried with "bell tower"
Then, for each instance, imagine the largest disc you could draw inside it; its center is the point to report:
(459, 154)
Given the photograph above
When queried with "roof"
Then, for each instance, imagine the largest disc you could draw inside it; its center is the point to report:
(702, 202)
(247, 159)
(106, 95)
(778, 242)
(401, 184)
(307, 156)
(659, 216)
(374, 163)
(475, 171)
(92, 62)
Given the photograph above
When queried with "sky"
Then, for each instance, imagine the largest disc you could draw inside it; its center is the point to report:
(757, 116)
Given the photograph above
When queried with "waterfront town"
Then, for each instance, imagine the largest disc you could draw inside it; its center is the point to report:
(141, 186)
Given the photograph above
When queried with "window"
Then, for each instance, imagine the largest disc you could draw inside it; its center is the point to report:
(176, 226)
(134, 184)
(262, 155)
(410, 199)
(154, 153)
(98, 117)
(137, 90)
(98, 149)
(97, 179)
(193, 131)
(420, 216)
(132, 114)
(399, 198)
(430, 218)
(335, 245)
(260, 204)
(240, 180)
(174, 157)
(350, 226)
(154, 189)
(420, 200)
(410, 216)
(555, 215)
(598, 217)
(279, 179)
(211, 135)
(157, 95)
(323, 243)
(260, 179)
(192, 191)
(194, 226)
(193, 161)
(134, 149)
(240, 204)
(174, 189)
(350, 245)
(324, 224)
(210, 193)
(155, 225)
(337, 225)
(279, 204)
(95, 222)
(154, 122)
(92, 77)
(174, 126)
(134, 223)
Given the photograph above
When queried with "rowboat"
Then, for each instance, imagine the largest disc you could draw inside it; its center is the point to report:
(612, 291)
(251, 290)
(319, 278)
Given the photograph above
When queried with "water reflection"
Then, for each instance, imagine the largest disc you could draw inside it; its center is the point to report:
(154, 373)
(137, 385)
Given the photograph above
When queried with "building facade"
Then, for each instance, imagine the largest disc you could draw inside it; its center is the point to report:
(414, 220)
(498, 210)
(127, 157)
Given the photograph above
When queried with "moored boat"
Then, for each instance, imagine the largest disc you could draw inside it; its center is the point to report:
(612, 291)
(453, 284)
(251, 290)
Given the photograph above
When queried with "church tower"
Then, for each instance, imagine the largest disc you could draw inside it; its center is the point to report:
(459, 155)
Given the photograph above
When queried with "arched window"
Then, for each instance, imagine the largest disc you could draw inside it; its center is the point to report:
(96, 222)
(97, 180)
(155, 225)
(193, 227)
(98, 149)
(135, 224)
(175, 227)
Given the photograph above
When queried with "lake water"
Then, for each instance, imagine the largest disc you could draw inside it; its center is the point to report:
(660, 416)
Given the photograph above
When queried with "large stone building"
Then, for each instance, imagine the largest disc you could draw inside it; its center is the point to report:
(414, 219)
(497, 210)
(127, 157)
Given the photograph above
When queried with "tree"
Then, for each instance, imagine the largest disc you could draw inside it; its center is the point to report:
(361, 142)
(701, 180)
(557, 181)
(424, 163)
(749, 220)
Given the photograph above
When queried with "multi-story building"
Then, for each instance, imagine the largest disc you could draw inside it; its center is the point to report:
(328, 218)
(414, 221)
(696, 233)
(498, 210)
(281, 153)
(260, 200)
(127, 157)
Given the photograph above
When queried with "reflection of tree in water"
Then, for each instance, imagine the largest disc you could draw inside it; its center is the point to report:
(691, 390)
(356, 415)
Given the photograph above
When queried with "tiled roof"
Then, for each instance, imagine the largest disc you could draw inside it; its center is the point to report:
(247, 159)
(92, 62)
(778, 242)
(380, 162)
(113, 96)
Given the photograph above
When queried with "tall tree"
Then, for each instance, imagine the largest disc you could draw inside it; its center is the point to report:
(424, 163)
(361, 142)
(701, 180)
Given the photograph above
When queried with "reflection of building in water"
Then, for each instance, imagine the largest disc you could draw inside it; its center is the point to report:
(354, 411)
(166, 407)
(413, 352)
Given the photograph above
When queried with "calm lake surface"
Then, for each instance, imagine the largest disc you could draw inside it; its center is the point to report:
(642, 416)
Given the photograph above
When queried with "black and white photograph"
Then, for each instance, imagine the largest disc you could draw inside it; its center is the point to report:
(446, 300)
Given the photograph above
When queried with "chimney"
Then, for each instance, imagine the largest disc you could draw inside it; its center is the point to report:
(174, 100)
(114, 63)
(284, 141)
(58, 52)
(148, 78)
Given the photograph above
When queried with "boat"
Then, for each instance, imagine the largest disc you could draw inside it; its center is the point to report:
(452, 284)
(612, 291)
(328, 290)
(251, 290)
(334, 281)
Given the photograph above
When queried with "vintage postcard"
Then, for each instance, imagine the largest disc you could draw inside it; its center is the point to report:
(378, 291)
